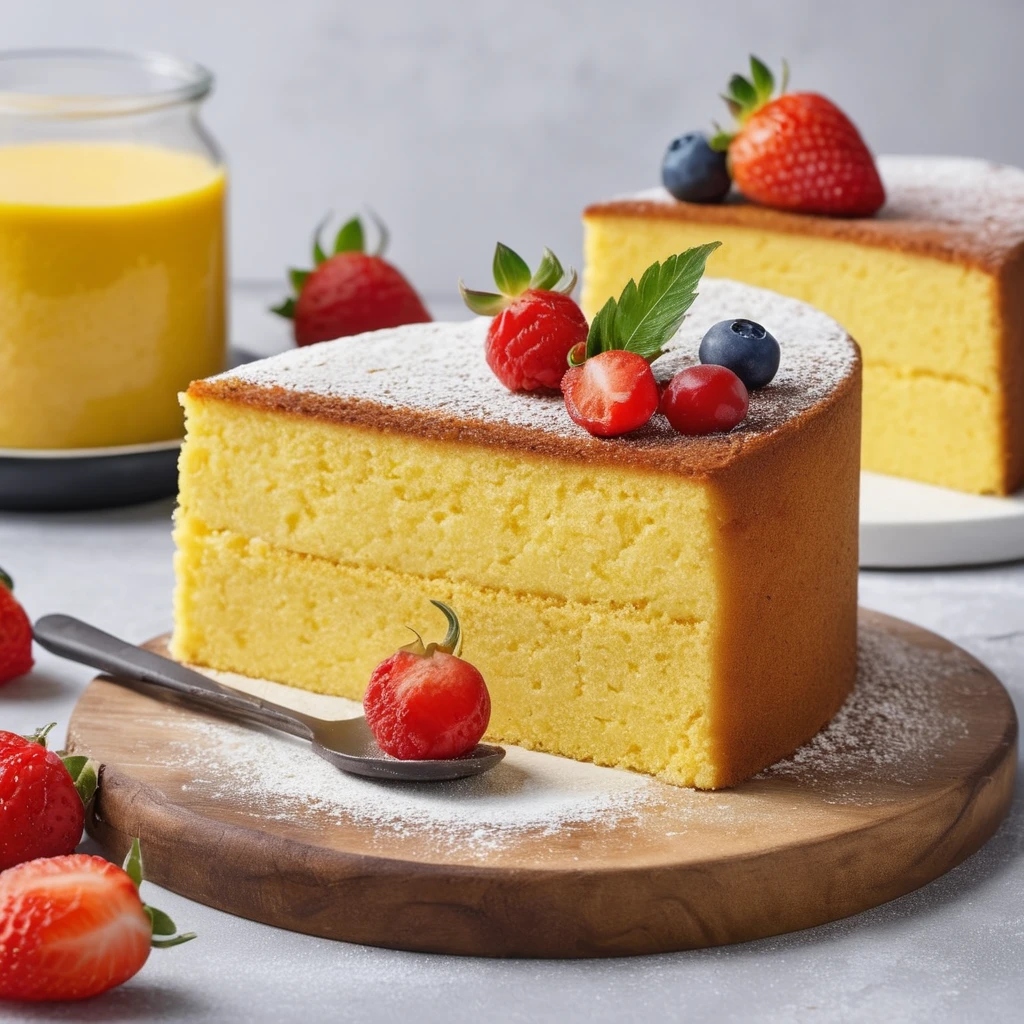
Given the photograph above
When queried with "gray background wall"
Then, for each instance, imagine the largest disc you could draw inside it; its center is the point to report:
(462, 122)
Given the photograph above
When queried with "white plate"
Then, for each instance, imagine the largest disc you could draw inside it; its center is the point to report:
(909, 525)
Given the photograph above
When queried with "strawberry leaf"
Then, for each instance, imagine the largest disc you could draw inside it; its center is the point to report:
(318, 250)
(648, 314)
(742, 92)
(285, 309)
(350, 237)
(764, 80)
(383, 235)
(511, 274)
(548, 273)
(785, 76)
(483, 303)
(6, 581)
(84, 774)
(161, 922)
(133, 863)
(39, 736)
(298, 278)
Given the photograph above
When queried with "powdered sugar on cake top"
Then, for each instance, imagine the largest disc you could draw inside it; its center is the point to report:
(440, 368)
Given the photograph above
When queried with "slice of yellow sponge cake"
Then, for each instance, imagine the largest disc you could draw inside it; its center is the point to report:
(932, 289)
(682, 606)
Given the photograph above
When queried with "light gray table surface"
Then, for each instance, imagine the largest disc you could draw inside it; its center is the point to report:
(952, 951)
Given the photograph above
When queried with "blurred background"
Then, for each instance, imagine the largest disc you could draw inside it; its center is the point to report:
(465, 121)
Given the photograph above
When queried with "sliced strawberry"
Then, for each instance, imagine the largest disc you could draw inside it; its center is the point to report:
(612, 393)
(73, 927)
(426, 703)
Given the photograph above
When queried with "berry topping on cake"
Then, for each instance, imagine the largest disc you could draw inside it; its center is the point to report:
(612, 393)
(75, 926)
(745, 348)
(694, 172)
(705, 400)
(15, 633)
(425, 702)
(349, 291)
(536, 323)
(797, 151)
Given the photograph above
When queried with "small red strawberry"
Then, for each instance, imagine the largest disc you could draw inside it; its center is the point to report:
(612, 393)
(42, 798)
(536, 323)
(425, 702)
(798, 151)
(350, 291)
(73, 927)
(15, 633)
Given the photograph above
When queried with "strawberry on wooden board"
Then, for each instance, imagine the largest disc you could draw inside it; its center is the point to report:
(609, 388)
(42, 798)
(73, 927)
(536, 322)
(797, 151)
(349, 291)
(15, 633)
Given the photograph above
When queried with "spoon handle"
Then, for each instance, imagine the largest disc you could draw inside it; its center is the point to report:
(75, 640)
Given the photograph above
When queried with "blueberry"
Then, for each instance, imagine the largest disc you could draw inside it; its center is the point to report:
(693, 171)
(743, 346)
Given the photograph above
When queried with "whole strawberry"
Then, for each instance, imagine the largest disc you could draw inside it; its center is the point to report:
(350, 291)
(42, 799)
(536, 323)
(15, 633)
(798, 151)
(425, 702)
(73, 927)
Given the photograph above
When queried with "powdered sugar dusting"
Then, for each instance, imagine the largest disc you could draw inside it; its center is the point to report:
(440, 368)
(893, 727)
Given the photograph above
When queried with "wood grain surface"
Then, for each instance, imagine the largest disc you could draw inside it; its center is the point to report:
(828, 835)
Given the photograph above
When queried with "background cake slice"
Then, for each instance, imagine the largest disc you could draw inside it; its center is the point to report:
(683, 606)
(932, 289)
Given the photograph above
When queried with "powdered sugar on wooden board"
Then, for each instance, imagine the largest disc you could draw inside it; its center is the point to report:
(440, 368)
(893, 730)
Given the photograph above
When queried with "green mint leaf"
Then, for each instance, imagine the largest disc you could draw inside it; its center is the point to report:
(548, 273)
(742, 92)
(133, 863)
(285, 309)
(600, 337)
(511, 274)
(483, 303)
(350, 237)
(648, 314)
(764, 80)
(298, 278)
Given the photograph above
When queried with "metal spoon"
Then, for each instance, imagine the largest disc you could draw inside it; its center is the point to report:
(348, 744)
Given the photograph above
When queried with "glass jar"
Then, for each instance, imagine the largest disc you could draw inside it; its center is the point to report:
(112, 248)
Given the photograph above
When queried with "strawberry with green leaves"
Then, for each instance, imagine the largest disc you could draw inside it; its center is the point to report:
(349, 291)
(609, 388)
(73, 927)
(796, 151)
(536, 322)
(15, 633)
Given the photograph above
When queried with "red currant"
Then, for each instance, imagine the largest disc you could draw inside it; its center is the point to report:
(704, 400)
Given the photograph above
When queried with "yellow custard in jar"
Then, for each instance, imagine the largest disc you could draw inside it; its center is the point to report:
(112, 290)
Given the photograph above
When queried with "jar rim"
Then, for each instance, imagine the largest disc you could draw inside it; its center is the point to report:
(172, 81)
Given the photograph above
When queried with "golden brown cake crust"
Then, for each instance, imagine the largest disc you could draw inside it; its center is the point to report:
(958, 210)
(431, 381)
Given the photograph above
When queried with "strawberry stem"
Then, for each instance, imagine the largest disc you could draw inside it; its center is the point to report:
(452, 642)
(39, 736)
(163, 929)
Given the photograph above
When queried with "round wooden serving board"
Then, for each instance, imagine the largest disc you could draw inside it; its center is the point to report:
(547, 857)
